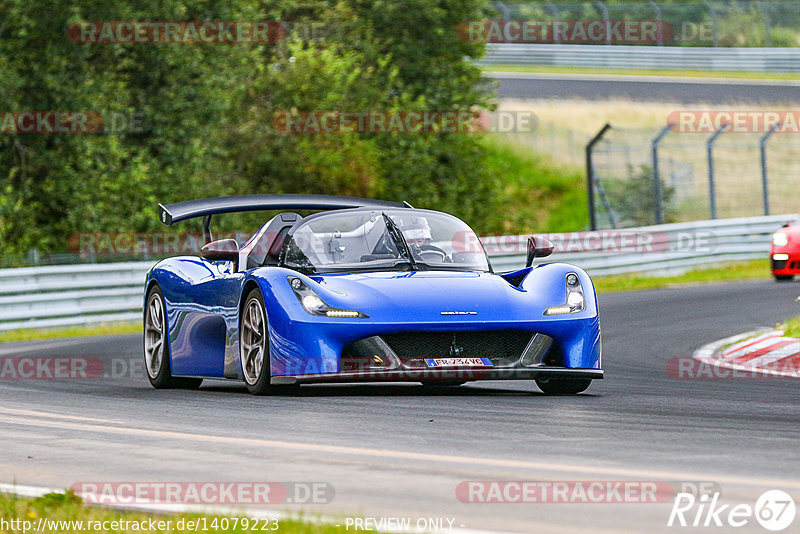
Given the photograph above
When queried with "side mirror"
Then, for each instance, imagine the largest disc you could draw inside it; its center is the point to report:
(538, 247)
(222, 250)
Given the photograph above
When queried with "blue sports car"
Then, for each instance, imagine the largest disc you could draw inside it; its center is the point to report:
(362, 291)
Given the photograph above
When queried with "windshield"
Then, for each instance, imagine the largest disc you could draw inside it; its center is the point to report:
(384, 239)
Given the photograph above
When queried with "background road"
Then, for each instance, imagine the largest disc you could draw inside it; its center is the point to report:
(644, 88)
(396, 450)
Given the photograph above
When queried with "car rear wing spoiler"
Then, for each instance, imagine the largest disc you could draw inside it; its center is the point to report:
(190, 209)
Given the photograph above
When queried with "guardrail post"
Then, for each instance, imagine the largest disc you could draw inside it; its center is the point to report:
(590, 174)
(712, 194)
(657, 190)
(764, 178)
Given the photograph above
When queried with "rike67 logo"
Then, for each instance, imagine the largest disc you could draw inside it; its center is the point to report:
(774, 510)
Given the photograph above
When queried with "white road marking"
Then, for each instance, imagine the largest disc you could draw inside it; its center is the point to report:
(53, 420)
(35, 347)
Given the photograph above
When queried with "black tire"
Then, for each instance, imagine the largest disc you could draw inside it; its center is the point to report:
(783, 277)
(443, 383)
(257, 376)
(563, 386)
(156, 352)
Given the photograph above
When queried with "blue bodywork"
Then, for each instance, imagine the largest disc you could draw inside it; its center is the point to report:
(203, 301)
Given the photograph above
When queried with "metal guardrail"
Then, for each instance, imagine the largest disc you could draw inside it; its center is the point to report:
(663, 249)
(84, 294)
(645, 57)
(64, 295)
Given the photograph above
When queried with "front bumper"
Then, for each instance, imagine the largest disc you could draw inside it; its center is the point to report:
(785, 266)
(417, 375)
(318, 348)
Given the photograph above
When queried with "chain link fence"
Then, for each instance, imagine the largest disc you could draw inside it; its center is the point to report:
(625, 193)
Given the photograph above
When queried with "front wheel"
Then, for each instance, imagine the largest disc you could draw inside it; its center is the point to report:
(783, 277)
(156, 346)
(254, 346)
(563, 386)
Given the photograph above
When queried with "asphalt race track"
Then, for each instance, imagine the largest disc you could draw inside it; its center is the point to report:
(401, 450)
(644, 88)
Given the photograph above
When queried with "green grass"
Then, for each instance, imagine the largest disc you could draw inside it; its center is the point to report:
(539, 195)
(68, 507)
(724, 272)
(740, 75)
(792, 327)
(103, 329)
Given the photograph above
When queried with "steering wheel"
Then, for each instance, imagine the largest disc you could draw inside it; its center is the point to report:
(442, 256)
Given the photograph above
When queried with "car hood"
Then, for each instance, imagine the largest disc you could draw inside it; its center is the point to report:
(792, 229)
(425, 295)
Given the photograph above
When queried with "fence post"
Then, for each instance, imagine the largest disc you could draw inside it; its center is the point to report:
(764, 178)
(766, 24)
(713, 13)
(554, 13)
(712, 195)
(660, 34)
(601, 191)
(590, 174)
(604, 9)
(504, 9)
(657, 191)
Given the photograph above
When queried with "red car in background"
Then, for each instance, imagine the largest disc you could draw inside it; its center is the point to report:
(785, 252)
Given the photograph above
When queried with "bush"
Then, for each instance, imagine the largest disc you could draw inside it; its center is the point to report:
(633, 199)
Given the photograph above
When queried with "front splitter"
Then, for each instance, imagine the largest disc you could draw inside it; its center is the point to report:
(416, 375)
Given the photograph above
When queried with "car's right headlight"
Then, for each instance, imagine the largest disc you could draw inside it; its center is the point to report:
(780, 239)
(316, 306)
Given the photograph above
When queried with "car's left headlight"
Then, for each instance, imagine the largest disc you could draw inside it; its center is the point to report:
(314, 305)
(780, 239)
(576, 301)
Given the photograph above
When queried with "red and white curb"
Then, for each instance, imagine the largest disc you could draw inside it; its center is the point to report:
(761, 352)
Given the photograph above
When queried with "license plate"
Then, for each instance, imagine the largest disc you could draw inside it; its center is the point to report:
(458, 362)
